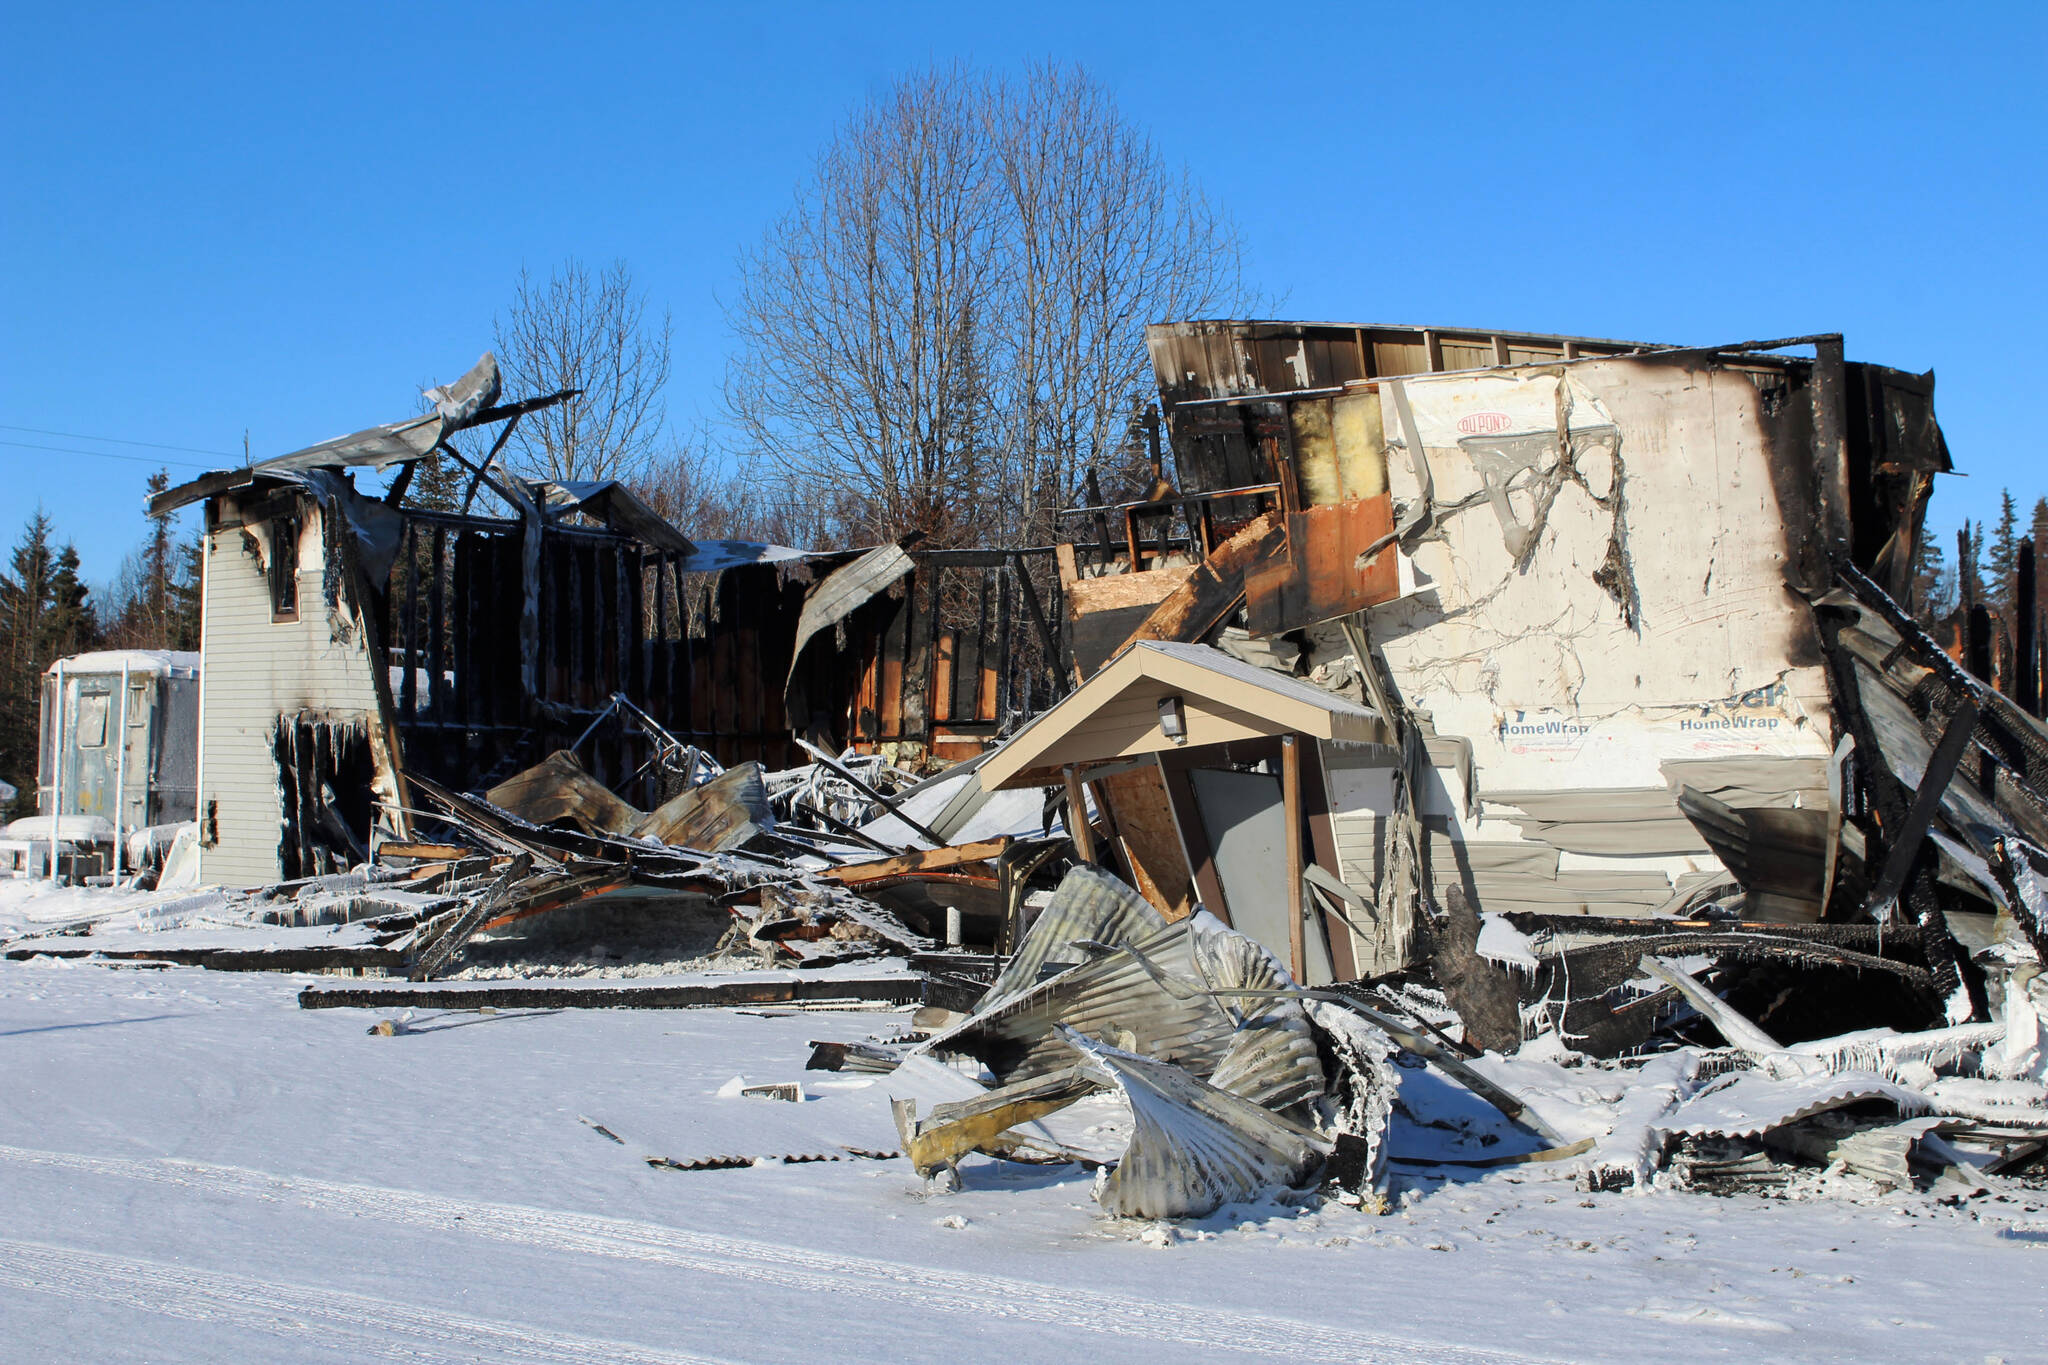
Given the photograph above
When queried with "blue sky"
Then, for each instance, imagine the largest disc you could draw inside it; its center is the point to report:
(280, 220)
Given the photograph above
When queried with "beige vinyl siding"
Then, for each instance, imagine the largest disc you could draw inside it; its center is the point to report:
(256, 670)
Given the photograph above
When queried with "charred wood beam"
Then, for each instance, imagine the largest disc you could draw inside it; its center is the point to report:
(1216, 586)
(1003, 650)
(1977, 646)
(901, 990)
(410, 627)
(437, 625)
(1046, 638)
(396, 493)
(2026, 651)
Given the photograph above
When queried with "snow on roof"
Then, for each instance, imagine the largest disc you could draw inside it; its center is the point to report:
(712, 555)
(136, 661)
(91, 829)
(1230, 666)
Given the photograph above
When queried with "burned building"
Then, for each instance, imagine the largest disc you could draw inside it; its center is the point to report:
(352, 638)
(1586, 590)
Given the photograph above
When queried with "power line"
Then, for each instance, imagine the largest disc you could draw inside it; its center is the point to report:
(104, 454)
(112, 440)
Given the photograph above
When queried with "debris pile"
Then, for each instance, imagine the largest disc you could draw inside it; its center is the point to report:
(1194, 1033)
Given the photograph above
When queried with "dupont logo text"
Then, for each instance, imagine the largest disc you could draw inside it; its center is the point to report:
(1484, 423)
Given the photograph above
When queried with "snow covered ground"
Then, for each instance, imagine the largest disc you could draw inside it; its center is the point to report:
(194, 1168)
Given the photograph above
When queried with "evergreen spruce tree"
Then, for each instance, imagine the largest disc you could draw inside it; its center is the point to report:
(182, 596)
(25, 598)
(158, 566)
(439, 485)
(71, 625)
(2002, 567)
(1932, 588)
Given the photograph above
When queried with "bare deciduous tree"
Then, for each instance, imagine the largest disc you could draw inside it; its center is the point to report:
(588, 332)
(698, 491)
(949, 322)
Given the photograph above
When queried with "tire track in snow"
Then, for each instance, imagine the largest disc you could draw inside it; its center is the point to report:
(361, 1326)
(910, 1288)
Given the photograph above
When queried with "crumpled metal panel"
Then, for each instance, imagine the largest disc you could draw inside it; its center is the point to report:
(1194, 1148)
(1117, 997)
(1090, 906)
(1271, 1059)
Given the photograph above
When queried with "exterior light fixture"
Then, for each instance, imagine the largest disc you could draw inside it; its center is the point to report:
(1173, 720)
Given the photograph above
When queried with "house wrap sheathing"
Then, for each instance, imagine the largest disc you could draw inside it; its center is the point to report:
(1600, 617)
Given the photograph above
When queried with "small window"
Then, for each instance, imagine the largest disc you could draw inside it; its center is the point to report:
(92, 720)
(284, 569)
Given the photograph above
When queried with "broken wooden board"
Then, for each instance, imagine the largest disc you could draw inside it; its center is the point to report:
(953, 1130)
(1144, 823)
(928, 860)
(1102, 612)
(352, 959)
(1215, 586)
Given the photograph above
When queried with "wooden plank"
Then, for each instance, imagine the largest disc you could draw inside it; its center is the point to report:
(917, 655)
(438, 852)
(1077, 817)
(462, 614)
(892, 646)
(409, 686)
(1070, 570)
(1151, 841)
(1290, 779)
(1146, 588)
(1213, 590)
(1000, 701)
(942, 678)
(662, 662)
(437, 619)
(928, 860)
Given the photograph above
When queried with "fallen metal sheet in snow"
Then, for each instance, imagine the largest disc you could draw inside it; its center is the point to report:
(1885, 1151)
(1271, 1059)
(1193, 1148)
(724, 813)
(1117, 997)
(1090, 906)
(1749, 1103)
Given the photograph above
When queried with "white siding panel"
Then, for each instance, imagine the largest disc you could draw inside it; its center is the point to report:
(257, 669)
